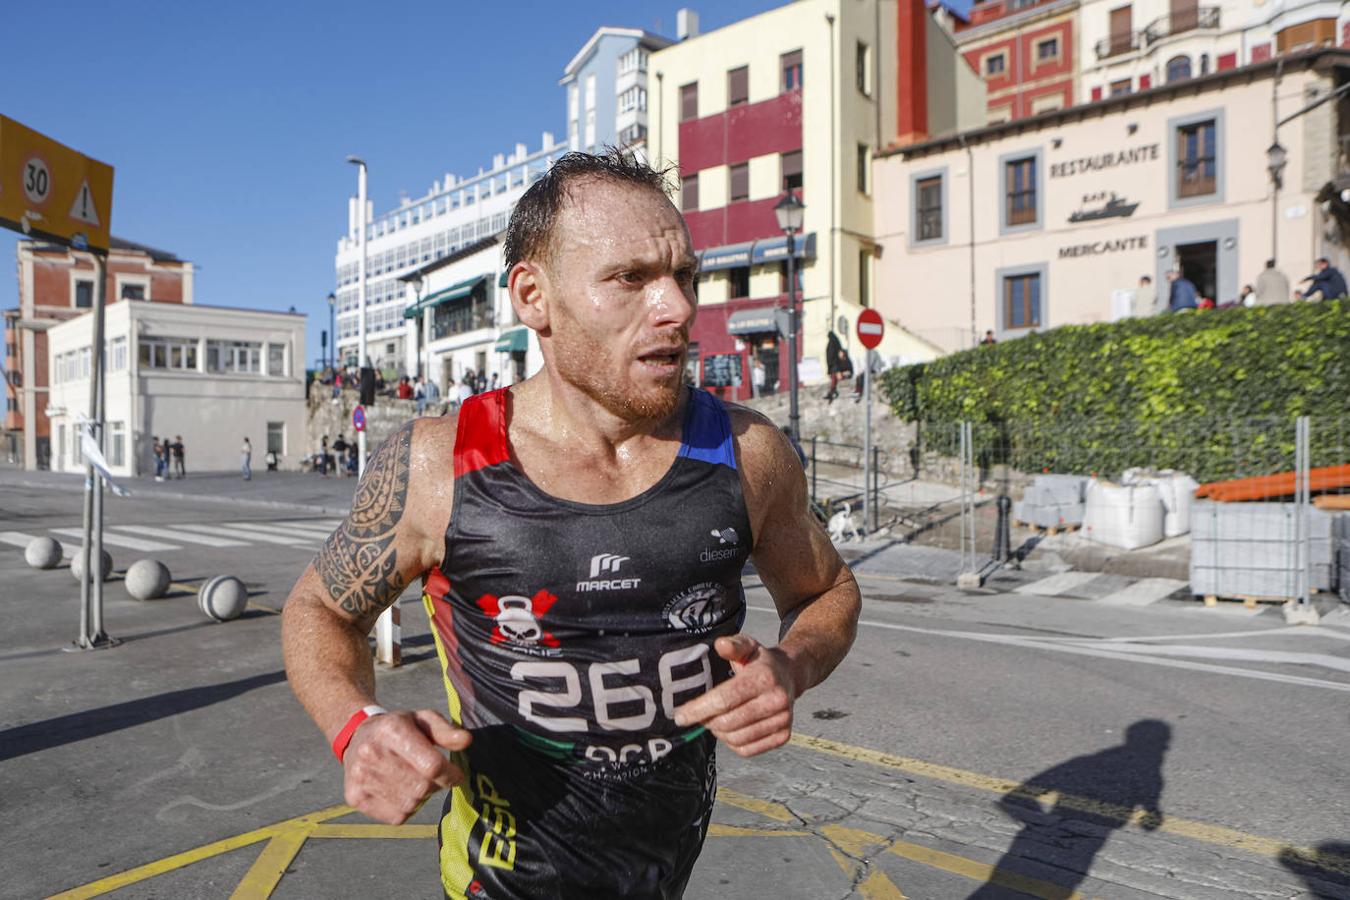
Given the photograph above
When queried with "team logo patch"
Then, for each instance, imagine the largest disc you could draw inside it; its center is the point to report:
(697, 609)
(517, 618)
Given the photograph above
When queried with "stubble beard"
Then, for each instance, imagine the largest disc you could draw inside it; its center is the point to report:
(587, 366)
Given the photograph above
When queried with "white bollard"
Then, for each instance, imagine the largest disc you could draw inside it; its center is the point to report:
(147, 579)
(222, 598)
(42, 553)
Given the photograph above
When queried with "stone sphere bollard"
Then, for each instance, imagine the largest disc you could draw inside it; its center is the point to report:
(77, 565)
(222, 598)
(147, 579)
(43, 553)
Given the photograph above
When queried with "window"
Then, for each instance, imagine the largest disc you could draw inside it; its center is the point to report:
(178, 354)
(740, 282)
(115, 443)
(864, 169)
(1047, 50)
(864, 278)
(1021, 191)
(1022, 301)
(1197, 161)
(1124, 86)
(928, 208)
(689, 102)
(276, 438)
(1178, 68)
(117, 354)
(740, 182)
(240, 357)
(995, 64)
(689, 193)
(791, 164)
(1046, 103)
(861, 64)
(276, 359)
(791, 66)
(590, 128)
(132, 291)
(84, 295)
(738, 86)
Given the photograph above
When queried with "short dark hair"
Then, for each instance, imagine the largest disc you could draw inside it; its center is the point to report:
(1270, 264)
(1323, 259)
(530, 231)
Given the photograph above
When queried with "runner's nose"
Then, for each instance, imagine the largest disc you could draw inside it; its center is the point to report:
(667, 303)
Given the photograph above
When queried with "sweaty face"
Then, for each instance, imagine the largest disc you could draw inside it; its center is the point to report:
(622, 277)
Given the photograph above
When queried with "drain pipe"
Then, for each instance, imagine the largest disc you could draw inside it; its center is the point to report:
(970, 193)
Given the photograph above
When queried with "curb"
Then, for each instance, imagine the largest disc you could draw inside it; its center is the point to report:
(78, 488)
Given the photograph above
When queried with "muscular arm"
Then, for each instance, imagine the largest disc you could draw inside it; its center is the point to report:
(815, 593)
(393, 534)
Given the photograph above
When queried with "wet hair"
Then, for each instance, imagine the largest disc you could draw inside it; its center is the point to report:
(529, 234)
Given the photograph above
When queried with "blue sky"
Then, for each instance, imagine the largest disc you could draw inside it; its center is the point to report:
(228, 124)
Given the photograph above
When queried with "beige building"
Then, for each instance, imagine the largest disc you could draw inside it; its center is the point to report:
(212, 374)
(798, 99)
(1051, 221)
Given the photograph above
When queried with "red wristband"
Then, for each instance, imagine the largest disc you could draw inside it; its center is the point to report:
(344, 737)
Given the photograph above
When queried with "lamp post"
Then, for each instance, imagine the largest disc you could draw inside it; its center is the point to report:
(1276, 159)
(790, 212)
(418, 283)
(332, 331)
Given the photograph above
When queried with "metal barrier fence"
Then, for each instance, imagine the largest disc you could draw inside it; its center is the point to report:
(1263, 503)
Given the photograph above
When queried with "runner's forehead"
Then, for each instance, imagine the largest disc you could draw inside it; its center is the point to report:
(623, 225)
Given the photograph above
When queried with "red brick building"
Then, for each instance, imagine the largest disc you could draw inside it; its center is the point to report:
(1025, 50)
(56, 284)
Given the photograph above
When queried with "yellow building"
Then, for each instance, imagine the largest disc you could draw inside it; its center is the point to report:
(796, 99)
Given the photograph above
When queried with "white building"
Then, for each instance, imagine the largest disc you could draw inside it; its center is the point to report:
(606, 84)
(460, 319)
(456, 212)
(214, 375)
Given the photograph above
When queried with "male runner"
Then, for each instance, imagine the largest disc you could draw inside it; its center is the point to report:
(580, 537)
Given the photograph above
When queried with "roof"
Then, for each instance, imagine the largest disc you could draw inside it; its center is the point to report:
(459, 254)
(1322, 57)
(646, 38)
(1011, 20)
(114, 243)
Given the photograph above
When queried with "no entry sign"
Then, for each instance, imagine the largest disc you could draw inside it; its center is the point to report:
(870, 328)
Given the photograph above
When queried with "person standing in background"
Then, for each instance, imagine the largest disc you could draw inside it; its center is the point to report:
(246, 460)
(1272, 286)
(1181, 293)
(1145, 298)
(158, 450)
(178, 452)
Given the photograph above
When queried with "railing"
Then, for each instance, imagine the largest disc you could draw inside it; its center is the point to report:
(1200, 17)
(1119, 44)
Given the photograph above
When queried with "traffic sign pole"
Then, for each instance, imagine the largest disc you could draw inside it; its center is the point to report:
(870, 331)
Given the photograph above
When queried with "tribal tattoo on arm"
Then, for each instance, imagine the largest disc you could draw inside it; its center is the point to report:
(359, 562)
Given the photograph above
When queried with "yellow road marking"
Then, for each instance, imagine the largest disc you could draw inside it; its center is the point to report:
(373, 832)
(1218, 835)
(978, 871)
(197, 854)
(717, 829)
(268, 869)
(766, 808)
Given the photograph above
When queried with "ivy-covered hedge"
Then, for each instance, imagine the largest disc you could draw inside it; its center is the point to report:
(1213, 393)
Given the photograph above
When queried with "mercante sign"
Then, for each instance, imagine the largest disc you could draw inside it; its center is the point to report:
(1096, 248)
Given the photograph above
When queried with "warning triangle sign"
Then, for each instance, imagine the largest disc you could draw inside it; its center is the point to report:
(82, 210)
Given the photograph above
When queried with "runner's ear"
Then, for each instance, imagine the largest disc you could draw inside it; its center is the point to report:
(529, 289)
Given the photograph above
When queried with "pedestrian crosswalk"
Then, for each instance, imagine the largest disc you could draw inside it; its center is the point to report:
(161, 537)
(1111, 590)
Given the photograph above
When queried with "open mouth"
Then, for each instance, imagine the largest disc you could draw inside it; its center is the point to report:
(661, 358)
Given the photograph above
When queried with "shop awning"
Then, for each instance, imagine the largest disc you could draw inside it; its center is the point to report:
(773, 250)
(752, 321)
(732, 256)
(501, 279)
(514, 341)
(453, 292)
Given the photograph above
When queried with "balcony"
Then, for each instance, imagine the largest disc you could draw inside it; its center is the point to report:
(1119, 44)
(1199, 18)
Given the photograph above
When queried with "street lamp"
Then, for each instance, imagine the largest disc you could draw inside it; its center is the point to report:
(1276, 159)
(790, 212)
(417, 283)
(332, 330)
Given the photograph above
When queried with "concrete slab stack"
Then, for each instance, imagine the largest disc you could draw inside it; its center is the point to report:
(1052, 501)
(1252, 550)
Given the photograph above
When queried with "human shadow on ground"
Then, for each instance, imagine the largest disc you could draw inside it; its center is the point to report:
(56, 732)
(1089, 797)
(1325, 870)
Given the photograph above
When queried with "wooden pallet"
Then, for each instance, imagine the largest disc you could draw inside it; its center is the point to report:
(1250, 602)
(1050, 531)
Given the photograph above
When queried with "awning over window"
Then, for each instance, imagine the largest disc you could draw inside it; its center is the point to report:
(752, 321)
(453, 292)
(732, 256)
(775, 249)
(514, 341)
(501, 279)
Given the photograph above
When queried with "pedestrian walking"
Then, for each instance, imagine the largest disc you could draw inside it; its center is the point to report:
(1327, 282)
(420, 396)
(323, 456)
(340, 454)
(493, 386)
(465, 389)
(404, 390)
(1181, 293)
(433, 393)
(353, 461)
(158, 450)
(166, 456)
(246, 460)
(1272, 286)
(582, 726)
(758, 375)
(480, 385)
(179, 452)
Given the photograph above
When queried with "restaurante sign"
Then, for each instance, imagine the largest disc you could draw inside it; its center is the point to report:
(1084, 164)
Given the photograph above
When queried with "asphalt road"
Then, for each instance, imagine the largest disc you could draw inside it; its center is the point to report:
(974, 744)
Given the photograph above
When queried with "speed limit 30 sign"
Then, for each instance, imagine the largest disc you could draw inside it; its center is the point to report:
(50, 191)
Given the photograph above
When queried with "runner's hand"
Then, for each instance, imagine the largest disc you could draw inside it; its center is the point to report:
(751, 712)
(393, 763)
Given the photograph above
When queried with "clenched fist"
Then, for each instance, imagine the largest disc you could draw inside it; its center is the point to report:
(394, 763)
(752, 711)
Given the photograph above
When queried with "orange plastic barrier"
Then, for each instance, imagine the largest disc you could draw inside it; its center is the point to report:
(1264, 487)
